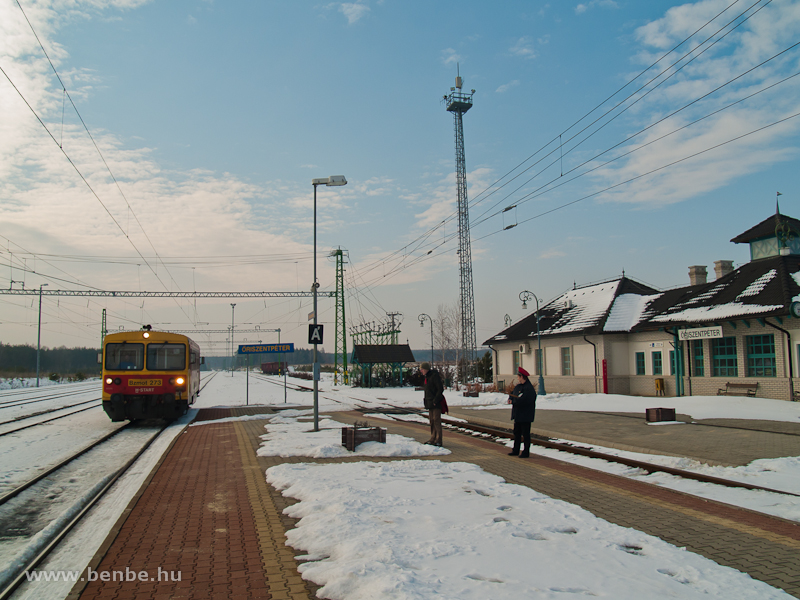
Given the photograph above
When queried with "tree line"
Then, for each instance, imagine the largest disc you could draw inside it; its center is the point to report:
(19, 360)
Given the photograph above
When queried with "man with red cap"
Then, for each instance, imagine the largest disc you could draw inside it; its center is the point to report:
(523, 410)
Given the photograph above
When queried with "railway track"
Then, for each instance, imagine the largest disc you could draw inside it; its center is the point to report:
(40, 546)
(39, 414)
(504, 434)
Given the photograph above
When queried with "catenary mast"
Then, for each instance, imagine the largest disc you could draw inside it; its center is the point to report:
(458, 103)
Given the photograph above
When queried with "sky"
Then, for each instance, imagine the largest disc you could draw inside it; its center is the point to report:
(209, 120)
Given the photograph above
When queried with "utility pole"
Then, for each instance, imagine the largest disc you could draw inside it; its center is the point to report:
(458, 103)
(340, 332)
(233, 348)
(39, 335)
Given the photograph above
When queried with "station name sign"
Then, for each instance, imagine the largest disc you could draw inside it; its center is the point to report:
(265, 348)
(701, 333)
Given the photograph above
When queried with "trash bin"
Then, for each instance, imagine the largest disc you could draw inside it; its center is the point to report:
(659, 386)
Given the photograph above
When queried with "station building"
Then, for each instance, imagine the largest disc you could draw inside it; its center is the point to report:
(739, 334)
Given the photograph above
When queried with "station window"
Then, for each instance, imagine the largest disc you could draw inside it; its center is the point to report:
(566, 361)
(724, 362)
(672, 362)
(640, 363)
(761, 356)
(516, 361)
(697, 358)
(658, 367)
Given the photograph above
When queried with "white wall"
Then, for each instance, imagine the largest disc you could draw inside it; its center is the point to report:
(583, 359)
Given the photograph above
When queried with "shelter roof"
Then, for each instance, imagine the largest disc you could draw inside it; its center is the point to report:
(367, 354)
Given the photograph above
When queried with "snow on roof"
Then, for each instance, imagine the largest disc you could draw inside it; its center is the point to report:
(718, 312)
(706, 295)
(584, 307)
(755, 288)
(627, 311)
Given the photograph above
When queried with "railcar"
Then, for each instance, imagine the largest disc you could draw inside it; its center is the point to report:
(274, 368)
(149, 374)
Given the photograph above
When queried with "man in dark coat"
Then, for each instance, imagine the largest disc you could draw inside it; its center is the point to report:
(523, 411)
(434, 393)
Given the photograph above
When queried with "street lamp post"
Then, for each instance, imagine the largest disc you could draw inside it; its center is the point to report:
(39, 335)
(333, 180)
(422, 318)
(525, 296)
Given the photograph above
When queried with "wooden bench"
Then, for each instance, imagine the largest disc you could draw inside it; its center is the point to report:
(738, 389)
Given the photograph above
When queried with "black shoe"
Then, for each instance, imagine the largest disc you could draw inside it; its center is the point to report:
(524, 455)
(437, 444)
(512, 453)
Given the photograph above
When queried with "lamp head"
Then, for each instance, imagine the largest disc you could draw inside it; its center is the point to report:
(330, 181)
(524, 305)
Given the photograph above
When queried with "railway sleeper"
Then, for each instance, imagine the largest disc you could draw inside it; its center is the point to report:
(153, 406)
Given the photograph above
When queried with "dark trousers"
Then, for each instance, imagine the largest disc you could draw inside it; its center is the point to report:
(522, 433)
(435, 417)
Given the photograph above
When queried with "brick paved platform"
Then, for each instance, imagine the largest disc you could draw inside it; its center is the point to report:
(208, 513)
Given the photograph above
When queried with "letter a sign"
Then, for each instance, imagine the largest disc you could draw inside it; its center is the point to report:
(315, 334)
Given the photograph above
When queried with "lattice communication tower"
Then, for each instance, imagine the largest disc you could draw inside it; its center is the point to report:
(458, 102)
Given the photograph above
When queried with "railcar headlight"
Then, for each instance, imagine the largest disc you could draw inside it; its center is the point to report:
(109, 381)
(146, 334)
(117, 381)
(180, 381)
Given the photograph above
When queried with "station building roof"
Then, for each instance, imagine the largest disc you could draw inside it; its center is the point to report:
(758, 289)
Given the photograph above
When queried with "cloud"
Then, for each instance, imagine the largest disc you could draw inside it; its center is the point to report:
(552, 253)
(353, 11)
(523, 48)
(450, 57)
(507, 86)
(582, 8)
(759, 38)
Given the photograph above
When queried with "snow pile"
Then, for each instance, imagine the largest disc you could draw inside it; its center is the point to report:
(287, 436)
(427, 529)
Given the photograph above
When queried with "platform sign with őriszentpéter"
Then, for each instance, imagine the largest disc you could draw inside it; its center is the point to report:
(700, 333)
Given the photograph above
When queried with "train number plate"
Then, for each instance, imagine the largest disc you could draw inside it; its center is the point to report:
(144, 382)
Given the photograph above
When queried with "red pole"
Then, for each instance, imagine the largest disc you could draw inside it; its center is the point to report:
(605, 376)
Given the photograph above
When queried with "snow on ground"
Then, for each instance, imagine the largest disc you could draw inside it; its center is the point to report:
(415, 529)
(775, 473)
(292, 434)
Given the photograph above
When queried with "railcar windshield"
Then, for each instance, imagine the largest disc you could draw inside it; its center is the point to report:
(166, 357)
(124, 357)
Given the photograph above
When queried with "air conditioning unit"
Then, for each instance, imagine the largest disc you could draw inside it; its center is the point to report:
(524, 348)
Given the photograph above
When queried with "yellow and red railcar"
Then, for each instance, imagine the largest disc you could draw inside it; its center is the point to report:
(149, 374)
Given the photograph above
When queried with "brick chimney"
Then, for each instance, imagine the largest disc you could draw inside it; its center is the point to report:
(723, 267)
(698, 275)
